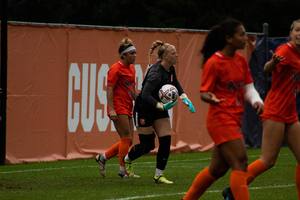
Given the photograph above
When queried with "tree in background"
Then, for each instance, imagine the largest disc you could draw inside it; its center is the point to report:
(184, 14)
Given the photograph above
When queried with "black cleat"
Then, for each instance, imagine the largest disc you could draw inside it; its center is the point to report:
(227, 194)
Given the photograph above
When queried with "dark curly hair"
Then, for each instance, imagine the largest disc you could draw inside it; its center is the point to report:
(216, 38)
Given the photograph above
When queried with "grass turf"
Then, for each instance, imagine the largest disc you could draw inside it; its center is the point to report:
(80, 179)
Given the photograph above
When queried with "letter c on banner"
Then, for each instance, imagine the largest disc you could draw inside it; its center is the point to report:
(73, 122)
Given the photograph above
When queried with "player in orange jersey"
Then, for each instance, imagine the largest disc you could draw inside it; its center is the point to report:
(280, 120)
(120, 95)
(226, 83)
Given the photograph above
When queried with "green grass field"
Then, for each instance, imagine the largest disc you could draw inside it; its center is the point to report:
(80, 179)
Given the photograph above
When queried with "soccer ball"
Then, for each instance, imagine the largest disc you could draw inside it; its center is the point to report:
(167, 93)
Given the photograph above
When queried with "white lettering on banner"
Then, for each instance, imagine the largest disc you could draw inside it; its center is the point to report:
(102, 122)
(88, 98)
(88, 92)
(138, 79)
(138, 76)
(88, 122)
(73, 73)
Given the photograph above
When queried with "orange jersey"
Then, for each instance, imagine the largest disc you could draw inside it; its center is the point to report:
(226, 77)
(122, 77)
(280, 103)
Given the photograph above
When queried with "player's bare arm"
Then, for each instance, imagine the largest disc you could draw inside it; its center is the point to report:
(209, 97)
(270, 66)
(110, 97)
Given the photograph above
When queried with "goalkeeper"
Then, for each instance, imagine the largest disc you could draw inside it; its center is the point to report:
(152, 115)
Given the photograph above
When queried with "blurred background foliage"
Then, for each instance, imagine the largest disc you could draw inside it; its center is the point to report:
(183, 14)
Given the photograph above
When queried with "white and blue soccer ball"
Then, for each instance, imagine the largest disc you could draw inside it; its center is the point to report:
(168, 93)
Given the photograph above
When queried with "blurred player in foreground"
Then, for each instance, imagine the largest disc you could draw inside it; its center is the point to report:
(226, 83)
(280, 120)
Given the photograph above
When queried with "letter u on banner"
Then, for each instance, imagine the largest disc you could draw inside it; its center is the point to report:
(87, 119)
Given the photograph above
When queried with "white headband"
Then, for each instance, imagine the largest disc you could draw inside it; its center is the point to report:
(131, 48)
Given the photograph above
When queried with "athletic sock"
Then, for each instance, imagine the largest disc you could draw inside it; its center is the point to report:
(158, 172)
(202, 181)
(112, 151)
(103, 157)
(123, 149)
(238, 185)
(122, 170)
(297, 177)
(163, 152)
(255, 169)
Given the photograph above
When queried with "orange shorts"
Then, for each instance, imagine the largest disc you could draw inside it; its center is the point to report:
(224, 133)
(121, 111)
(290, 120)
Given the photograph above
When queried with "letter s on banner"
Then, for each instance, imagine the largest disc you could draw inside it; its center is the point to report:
(102, 123)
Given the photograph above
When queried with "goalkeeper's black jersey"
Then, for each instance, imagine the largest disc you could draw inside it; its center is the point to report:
(155, 78)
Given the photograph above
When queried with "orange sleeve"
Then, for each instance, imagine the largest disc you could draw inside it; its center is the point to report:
(282, 50)
(209, 77)
(112, 75)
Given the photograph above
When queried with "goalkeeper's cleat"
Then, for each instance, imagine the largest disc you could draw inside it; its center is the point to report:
(128, 169)
(227, 194)
(101, 164)
(162, 179)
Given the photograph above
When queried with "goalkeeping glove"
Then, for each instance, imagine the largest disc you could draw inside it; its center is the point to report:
(167, 106)
(187, 102)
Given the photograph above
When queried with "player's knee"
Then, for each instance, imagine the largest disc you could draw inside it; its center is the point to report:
(220, 172)
(147, 142)
(243, 164)
(145, 149)
(268, 161)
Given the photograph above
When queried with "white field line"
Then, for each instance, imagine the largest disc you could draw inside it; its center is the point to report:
(211, 191)
(86, 166)
(83, 166)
